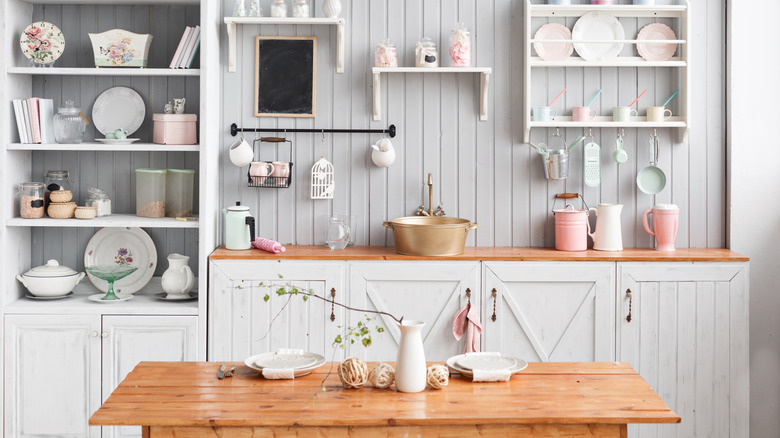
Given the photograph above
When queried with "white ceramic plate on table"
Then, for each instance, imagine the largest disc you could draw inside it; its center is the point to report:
(452, 363)
(117, 140)
(490, 362)
(553, 51)
(298, 372)
(118, 108)
(122, 246)
(598, 26)
(656, 52)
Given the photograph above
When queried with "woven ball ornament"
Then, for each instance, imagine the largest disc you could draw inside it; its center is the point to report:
(353, 372)
(381, 376)
(438, 376)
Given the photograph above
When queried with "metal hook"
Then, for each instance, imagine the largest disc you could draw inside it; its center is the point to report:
(557, 132)
(323, 136)
(590, 132)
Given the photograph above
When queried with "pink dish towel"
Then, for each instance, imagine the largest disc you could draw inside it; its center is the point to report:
(268, 245)
(278, 373)
(467, 322)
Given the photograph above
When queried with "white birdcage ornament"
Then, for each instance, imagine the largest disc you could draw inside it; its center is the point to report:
(322, 180)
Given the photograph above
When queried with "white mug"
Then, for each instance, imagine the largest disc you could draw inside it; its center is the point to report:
(658, 114)
(241, 153)
(281, 169)
(623, 113)
(383, 154)
(543, 113)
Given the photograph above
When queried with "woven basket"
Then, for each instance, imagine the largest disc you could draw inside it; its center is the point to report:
(61, 196)
(85, 212)
(61, 210)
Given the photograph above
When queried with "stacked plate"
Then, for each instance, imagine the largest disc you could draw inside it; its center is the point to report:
(466, 363)
(301, 363)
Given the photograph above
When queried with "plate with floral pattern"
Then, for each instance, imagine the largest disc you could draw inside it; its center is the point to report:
(122, 246)
(42, 42)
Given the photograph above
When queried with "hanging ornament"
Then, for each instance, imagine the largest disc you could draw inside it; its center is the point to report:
(322, 181)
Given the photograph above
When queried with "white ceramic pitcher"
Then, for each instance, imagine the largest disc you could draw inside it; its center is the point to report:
(608, 235)
(178, 279)
(410, 367)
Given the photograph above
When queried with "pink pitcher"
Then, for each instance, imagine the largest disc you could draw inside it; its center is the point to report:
(571, 226)
(665, 220)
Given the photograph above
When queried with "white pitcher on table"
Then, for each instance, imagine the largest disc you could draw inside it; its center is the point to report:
(608, 235)
(178, 279)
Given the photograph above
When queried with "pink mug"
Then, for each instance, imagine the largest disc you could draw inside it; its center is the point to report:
(665, 220)
(583, 113)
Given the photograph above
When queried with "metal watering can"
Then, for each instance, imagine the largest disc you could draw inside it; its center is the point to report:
(556, 160)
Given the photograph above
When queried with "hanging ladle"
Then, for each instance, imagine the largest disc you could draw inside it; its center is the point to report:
(651, 179)
(620, 156)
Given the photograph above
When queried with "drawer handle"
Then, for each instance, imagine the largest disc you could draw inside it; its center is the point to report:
(332, 305)
(630, 299)
(468, 294)
(495, 294)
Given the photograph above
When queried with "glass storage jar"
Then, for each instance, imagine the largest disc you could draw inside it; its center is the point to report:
(99, 200)
(386, 55)
(460, 46)
(301, 9)
(69, 125)
(426, 54)
(254, 9)
(31, 199)
(279, 9)
(55, 180)
(150, 192)
(178, 192)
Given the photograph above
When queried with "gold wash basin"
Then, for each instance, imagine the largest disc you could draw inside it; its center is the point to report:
(430, 235)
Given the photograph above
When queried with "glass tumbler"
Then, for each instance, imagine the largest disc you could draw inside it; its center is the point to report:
(150, 192)
(178, 192)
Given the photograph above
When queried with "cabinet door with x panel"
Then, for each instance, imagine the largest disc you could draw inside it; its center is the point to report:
(550, 312)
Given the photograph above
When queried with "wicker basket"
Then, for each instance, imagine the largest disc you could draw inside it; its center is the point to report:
(61, 210)
(61, 196)
(85, 212)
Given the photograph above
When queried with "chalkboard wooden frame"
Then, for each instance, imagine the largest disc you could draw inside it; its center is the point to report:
(285, 76)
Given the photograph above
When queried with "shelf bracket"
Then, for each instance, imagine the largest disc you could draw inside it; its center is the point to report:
(377, 96)
(231, 31)
(340, 46)
(483, 96)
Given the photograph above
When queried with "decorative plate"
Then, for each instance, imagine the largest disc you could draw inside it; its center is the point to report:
(179, 297)
(122, 246)
(553, 51)
(42, 42)
(656, 52)
(98, 298)
(33, 297)
(117, 140)
(598, 26)
(118, 107)
(298, 372)
(284, 360)
(492, 362)
(452, 363)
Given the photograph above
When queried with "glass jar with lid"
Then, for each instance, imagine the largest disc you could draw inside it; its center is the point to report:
(55, 180)
(69, 124)
(426, 54)
(301, 9)
(460, 46)
(386, 54)
(31, 205)
(279, 9)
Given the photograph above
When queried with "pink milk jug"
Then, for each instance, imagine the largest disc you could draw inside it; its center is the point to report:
(571, 226)
(665, 220)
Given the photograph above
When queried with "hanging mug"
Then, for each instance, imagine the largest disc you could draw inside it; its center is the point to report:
(383, 154)
(241, 153)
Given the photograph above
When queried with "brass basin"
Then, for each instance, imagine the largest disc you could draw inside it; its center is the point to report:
(430, 235)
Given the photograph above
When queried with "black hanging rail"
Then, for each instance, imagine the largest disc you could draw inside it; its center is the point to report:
(234, 129)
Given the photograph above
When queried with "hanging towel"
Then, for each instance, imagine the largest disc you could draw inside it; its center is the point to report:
(268, 245)
(467, 322)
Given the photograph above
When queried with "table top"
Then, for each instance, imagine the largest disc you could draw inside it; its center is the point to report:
(189, 394)
(321, 252)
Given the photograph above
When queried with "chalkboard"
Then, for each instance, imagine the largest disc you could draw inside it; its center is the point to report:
(285, 76)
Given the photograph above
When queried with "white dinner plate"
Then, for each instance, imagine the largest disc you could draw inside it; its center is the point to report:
(117, 140)
(33, 297)
(598, 26)
(298, 372)
(118, 107)
(99, 298)
(122, 246)
(178, 297)
(452, 363)
(553, 51)
(656, 52)
(491, 362)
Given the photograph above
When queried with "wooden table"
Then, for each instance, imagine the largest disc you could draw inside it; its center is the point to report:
(173, 399)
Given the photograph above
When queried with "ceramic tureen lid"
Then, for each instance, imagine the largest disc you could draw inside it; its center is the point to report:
(51, 269)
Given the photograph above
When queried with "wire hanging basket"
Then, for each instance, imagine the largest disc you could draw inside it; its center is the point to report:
(271, 174)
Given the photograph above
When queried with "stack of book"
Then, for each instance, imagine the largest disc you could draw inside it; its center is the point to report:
(35, 120)
(187, 49)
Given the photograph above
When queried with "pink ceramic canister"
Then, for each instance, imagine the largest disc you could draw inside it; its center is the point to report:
(571, 229)
(665, 220)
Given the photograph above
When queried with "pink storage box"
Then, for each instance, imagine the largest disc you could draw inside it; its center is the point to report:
(175, 128)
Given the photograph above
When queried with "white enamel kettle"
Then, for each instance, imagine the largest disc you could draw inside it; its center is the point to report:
(608, 235)
(239, 227)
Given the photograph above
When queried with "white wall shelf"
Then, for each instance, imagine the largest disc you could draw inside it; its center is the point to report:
(623, 61)
(539, 10)
(607, 122)
(101, 147)
(106, 71)
(114, 220)
(232, 22)
(484, 80)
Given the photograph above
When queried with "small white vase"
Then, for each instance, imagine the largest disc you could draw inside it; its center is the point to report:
(178, 278)
(331, 8)
(410, 369)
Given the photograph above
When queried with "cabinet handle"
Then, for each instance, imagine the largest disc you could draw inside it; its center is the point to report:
(495, 294)
(104, 335)
(630, 299)
(332, 305)
(468, 294)
(94, 334)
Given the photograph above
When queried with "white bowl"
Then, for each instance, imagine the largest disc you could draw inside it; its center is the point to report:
(50, 280)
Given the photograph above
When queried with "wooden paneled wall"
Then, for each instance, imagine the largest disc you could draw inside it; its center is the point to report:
(481, 170)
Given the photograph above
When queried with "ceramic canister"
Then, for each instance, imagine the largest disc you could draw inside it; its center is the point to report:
(571, 229)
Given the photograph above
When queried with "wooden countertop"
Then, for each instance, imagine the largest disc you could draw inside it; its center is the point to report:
(299, 252)
(185, 394)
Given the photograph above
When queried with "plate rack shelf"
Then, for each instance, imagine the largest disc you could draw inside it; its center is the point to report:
(680, 62)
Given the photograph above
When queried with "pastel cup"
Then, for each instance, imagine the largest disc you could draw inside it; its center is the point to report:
(665, 221)
(281, 169)
(644, 2)
(558, 2)
(583, 113)
(241, 153)
(261, 168)
(601, 2)
(658, 114)
(543, 113)
(623, 113)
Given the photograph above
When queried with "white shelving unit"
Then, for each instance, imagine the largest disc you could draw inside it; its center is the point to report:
(232, 22)
(484, 73)
(98, 147)
(105, 71)
(681, 12)
(114, 220)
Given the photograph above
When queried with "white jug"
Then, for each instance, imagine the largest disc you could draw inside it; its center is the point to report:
(178, 279)
(608, 235)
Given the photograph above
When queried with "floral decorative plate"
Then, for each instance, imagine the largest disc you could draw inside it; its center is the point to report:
(42, 42)
(122, 246)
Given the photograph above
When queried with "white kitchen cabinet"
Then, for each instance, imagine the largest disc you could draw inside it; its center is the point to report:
(688, 337)
(242, 323)
(550, 311)
(428, 291)
(53, 371)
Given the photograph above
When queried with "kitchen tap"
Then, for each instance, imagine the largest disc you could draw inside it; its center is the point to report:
(430, 212)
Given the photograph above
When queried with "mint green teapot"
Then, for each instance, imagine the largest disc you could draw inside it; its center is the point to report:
(239, 227)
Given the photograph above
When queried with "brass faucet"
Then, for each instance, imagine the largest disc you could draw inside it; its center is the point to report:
(431, 212)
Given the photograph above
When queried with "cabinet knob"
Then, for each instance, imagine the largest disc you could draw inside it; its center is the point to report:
(630, 299)
(95, 334)
(104, 335)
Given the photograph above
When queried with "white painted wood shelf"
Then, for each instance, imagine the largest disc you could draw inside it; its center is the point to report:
(115, 2)
(623, 61)
(232, 23)
(114, 220)
(89, 146)
(540, 10)
(484, 73)
(607, 122)
(104, 71)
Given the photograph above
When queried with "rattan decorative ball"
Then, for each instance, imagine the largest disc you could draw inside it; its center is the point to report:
(60, 196)
(353, 372)
(381, 376)
(438, 376)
